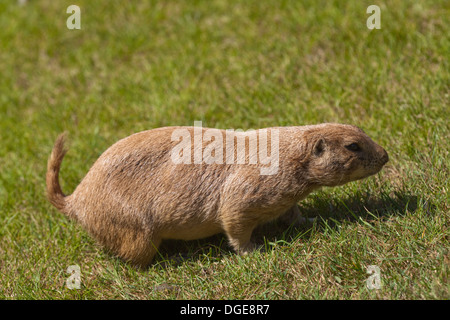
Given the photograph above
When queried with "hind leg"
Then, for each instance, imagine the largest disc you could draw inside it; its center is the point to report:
(135, 246)
(139, 250)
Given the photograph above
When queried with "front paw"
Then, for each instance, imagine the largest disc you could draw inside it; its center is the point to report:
(294, 218)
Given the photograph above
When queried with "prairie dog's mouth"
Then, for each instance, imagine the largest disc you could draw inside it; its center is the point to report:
(376, 169)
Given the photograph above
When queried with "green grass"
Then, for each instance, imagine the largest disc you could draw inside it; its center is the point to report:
(232, 64)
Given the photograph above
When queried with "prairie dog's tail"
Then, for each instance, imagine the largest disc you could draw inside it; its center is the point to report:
(54, 192)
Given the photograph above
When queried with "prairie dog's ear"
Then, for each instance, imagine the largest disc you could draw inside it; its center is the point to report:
(319, 147)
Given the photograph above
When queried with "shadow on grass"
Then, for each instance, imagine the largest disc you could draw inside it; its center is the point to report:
(330, 212)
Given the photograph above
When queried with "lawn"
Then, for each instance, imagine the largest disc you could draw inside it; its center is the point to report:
(233, 64)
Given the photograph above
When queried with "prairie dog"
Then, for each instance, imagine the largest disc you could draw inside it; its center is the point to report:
(161, 184)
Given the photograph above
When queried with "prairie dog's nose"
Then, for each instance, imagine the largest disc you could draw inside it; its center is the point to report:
(385, 156)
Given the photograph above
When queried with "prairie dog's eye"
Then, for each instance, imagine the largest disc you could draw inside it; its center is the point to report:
(353, 147)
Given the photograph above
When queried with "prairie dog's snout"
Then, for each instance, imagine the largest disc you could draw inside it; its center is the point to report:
(384, 157)
(136, 194)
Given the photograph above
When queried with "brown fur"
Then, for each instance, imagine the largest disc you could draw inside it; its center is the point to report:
(134, 196)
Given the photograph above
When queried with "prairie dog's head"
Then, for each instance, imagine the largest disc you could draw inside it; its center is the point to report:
(342, 153)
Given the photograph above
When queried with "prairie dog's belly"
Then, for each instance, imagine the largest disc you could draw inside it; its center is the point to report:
(191, 231)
